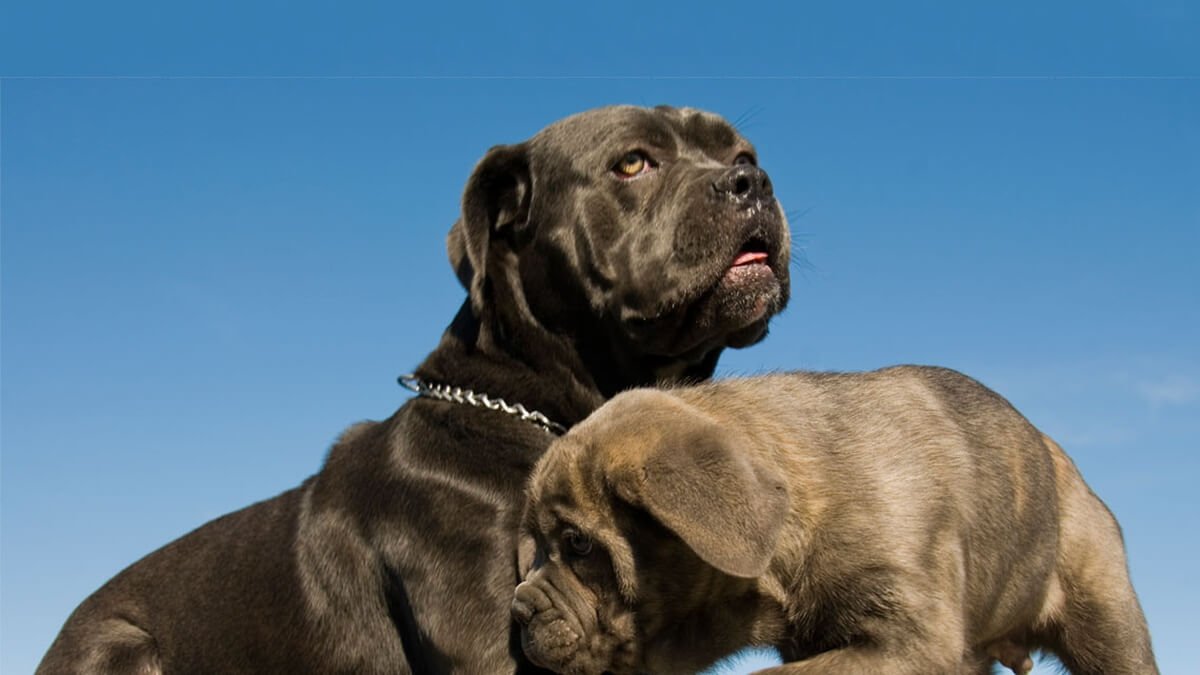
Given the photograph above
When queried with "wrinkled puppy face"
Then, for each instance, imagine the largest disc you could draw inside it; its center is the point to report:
(574, 617)
(657, 221)
(638, 519)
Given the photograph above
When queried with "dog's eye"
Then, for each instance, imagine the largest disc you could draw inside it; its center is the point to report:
(632, 164)
(744, 158)
(578, 544)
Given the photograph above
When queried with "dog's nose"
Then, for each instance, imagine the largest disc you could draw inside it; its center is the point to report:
(744, 182)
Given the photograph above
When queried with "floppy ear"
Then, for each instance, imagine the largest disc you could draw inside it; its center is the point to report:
(496, 198)
(721, 502)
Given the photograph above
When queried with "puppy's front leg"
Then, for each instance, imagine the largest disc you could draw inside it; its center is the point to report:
(870, 660)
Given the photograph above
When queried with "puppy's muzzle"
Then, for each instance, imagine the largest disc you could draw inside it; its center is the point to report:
(550, 636)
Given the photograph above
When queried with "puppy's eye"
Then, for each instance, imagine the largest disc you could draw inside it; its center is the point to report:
(578, 544)
(744, 158)
(632, 164)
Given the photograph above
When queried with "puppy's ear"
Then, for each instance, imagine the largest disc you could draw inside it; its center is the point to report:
(721, 502)
(496, 199)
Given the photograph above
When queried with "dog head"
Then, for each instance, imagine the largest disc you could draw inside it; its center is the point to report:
(648, 234)
(636, 522)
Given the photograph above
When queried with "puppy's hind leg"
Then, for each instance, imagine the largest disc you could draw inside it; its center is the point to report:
(1099, 629)
(1092, 621)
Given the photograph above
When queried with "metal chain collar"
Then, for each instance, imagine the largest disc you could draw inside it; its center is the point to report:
(446, 392)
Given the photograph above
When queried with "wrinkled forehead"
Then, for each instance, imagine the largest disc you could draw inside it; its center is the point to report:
(555, 484)
(598, 133)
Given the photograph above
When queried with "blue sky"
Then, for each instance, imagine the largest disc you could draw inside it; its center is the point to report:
(218, 260)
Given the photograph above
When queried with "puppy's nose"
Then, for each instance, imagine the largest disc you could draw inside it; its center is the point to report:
(744, 182)
(522, 612)
(528, 600)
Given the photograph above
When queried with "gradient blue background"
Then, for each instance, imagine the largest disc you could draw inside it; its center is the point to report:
(206, 276)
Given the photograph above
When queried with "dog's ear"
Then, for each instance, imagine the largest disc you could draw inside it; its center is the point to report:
(729, 508)
(496, 199)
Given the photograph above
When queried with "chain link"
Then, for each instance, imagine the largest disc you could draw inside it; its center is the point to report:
(453, 394)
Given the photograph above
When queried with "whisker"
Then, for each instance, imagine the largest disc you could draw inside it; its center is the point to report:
(743, 121)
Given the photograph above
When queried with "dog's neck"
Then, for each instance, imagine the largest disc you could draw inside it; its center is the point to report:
(616, 369)
(564, 376)
(534, 370)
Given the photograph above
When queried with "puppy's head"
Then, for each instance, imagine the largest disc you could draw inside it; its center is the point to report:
(637, 521)
(651, 231)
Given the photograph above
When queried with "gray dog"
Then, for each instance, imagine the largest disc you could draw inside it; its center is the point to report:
(619, 247)
(906, 520)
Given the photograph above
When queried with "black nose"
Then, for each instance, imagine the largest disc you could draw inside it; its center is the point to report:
(744, 183)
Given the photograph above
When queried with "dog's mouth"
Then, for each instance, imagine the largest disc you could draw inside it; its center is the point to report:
(751, 260)
(750, 284)
(728, 301)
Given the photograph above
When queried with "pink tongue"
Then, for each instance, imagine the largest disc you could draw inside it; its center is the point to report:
(749, 257)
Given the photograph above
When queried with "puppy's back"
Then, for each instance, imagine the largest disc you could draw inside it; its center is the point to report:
(919, 495)
(895, 465)
(900, 428)
(881, 415)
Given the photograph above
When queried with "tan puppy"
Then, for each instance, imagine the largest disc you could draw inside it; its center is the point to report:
(906, 520)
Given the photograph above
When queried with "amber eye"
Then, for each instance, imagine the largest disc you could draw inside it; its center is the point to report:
(578, 544)
(631, 164)
(744, 159)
